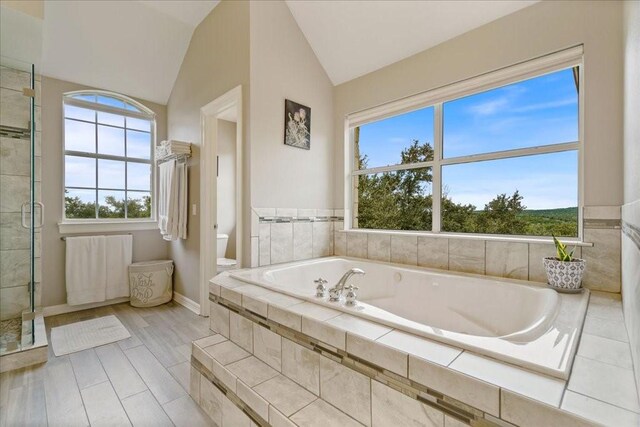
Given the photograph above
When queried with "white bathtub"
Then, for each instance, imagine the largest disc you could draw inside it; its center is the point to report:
(515, 321)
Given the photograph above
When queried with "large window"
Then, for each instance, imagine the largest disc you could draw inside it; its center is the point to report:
(502, 160)
(108, 149)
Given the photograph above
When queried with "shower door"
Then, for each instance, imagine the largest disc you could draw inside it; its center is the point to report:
(20, 209)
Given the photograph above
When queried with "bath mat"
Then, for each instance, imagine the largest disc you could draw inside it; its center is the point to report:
(87, 334)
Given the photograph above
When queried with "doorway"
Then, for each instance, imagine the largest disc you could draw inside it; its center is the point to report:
(220, 189)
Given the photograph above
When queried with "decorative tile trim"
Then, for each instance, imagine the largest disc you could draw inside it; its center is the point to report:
(232, 396)
(449, 406)
(14, 132)
(632, 232)
(278, 219)
(601, 223)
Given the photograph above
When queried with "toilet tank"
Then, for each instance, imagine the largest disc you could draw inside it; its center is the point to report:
(222, 245)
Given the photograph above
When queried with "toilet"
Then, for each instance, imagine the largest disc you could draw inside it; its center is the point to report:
(222, 262)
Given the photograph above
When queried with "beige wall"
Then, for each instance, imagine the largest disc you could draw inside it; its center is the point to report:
(216, 61)
(226, 191)
(283, 65)
(631, 208)
(147, 245)
(534, 31)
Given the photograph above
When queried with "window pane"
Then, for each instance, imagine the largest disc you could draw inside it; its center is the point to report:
(138, 204)
(79, 171)
(539, 111)
(138, 124)
(89, 98)
(131, 107)
(138, 144)
(110, 174)
(79, 136)
(138, 176)
(399, 200)
(110, 119)
(532, 195)
(112, 102)
(79, 203)
(110, 204)
(110, 140)
(73, 112)
(407, 138)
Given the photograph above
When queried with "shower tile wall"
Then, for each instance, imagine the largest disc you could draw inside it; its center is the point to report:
(14, 190)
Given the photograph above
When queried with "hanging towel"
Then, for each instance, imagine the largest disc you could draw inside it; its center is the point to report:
(173, 200)
(118, 258)
(86, 275)
(165, 183)
(183, 200)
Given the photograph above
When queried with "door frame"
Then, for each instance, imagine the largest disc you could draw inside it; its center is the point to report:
(209, 116)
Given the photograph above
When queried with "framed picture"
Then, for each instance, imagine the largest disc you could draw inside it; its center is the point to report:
(297, 125)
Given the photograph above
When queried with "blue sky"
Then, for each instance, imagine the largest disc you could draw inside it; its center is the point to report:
(539, 111)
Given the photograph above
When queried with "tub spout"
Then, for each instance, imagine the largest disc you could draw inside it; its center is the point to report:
(336, 292)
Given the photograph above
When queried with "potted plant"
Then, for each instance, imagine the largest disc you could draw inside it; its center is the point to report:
(564, 272)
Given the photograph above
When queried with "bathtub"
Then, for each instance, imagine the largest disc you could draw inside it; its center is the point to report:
(514, 321)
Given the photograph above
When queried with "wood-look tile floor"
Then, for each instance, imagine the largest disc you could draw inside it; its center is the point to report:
(140, 381)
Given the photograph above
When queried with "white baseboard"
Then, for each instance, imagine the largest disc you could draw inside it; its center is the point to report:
(186, 302)
(66, 308)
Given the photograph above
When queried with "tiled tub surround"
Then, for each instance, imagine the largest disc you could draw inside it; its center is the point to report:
(287, 234)
(494, 256)
(15, 174)
(291, 361)
(510, 320)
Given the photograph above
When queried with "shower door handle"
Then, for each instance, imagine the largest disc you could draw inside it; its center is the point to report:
(41, 214)
(23, 216)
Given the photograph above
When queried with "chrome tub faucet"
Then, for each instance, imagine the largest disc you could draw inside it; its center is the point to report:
(336, 292)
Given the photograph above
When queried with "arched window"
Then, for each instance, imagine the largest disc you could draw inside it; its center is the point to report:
(108, 157)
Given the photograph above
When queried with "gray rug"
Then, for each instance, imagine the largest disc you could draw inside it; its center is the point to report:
(87, 334)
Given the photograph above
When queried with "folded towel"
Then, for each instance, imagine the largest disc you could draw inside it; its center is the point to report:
(86, 275)
(118, 258)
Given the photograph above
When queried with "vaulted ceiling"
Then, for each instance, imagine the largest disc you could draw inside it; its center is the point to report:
(353, 38)
(131, 47)
(137, 47)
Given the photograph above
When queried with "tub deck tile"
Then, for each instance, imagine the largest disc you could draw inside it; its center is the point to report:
(540, 387)
(358, 326)
(421, 347)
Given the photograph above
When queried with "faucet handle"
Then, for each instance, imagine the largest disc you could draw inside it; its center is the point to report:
(321, 289)
(351, 297)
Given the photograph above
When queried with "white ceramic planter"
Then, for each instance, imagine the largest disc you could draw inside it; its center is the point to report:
(564, 274)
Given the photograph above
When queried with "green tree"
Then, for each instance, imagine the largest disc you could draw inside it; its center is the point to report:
(502, 215)
(113, 208)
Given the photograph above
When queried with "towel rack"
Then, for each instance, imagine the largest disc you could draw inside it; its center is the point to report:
(64, 238)
(181, 158)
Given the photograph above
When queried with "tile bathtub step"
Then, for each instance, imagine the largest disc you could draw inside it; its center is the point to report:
(273, 396)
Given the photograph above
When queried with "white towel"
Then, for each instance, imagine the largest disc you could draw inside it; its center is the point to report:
(86, 275)
(165, 182)
(173, 200)
(118, 258)
(183, 200)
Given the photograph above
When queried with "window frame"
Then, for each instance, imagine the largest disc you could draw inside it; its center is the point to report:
(108, 224)
(436, 98)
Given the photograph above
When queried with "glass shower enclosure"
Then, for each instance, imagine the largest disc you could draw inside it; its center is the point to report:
(21, 213)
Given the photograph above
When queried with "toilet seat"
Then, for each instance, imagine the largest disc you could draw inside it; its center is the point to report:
(225, 264)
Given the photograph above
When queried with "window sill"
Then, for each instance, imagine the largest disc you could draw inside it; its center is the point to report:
(100, 227)
(486, 237)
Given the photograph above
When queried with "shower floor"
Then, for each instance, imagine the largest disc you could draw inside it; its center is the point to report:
(10, 334)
